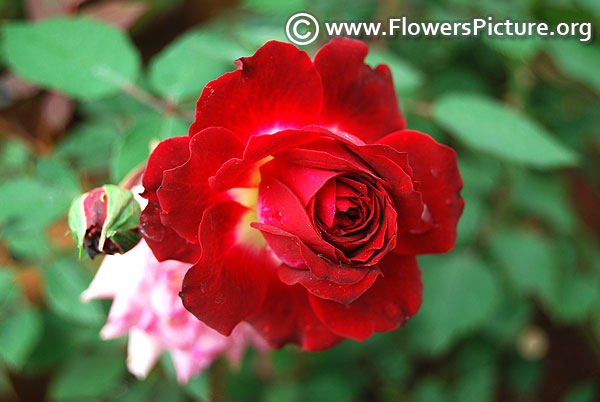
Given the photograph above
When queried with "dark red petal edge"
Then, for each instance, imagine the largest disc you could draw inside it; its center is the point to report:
(390, 302)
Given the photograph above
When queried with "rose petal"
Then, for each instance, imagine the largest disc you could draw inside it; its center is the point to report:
(230, 280)
(164, 242)
(326, 203)
(357, 99)
(278, 206)
(290, 249)
(286, 316)
(233, 173)
(390, 302)
(304, 181)
(185, 193)
(393, 167)
(275, 89)
(168, 154)
(435, 167)
(143, 351)
(344, 294)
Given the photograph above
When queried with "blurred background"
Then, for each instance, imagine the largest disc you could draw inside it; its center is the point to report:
(511, 314)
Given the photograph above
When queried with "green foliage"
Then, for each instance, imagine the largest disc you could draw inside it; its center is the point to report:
(575, 59)
(86, 377)
(528, 261)
(183, 69)
(83, 58)
(89, 145)
(487, 126)
(19, 334)
(470, 285)
(146, 133)
(522, 115)
(65, 281)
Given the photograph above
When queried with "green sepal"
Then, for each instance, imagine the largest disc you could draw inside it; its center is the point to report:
(78, 222)
(122, 218)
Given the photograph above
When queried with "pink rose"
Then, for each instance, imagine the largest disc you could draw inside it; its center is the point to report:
(146, 305)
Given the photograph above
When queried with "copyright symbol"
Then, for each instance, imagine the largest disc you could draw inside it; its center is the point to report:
(292, 28)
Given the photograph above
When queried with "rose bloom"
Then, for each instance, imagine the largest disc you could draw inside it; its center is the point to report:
(300, 200)
(146, 305)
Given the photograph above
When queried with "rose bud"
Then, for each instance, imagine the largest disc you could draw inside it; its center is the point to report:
(105, 221)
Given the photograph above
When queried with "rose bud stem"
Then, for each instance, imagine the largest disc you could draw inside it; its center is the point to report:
(105, 221)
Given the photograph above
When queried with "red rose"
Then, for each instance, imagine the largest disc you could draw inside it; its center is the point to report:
(301, 200)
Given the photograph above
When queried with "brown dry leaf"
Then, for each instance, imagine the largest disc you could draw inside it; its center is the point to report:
(40, 9)
(59, 236)
(13, 88)
(56, 111)
(123, 14)
(31, 283)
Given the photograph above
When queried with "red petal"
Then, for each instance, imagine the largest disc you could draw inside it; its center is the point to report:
(286, 316)
(390, 302)
(164, 242)
(394, 168)
(290, 249)
(277, 88)
(232, 173)
(168, 154)
(344, 294)
(230, 280)
(325, 202)
(278, 206)
(304, 181)
(184, 193)
(435, 167)
(357, 99)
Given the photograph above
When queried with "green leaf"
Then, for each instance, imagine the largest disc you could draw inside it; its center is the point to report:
(510, 319)
(406, 77)
(9, 292)
(33, 203)
(545, 197)
(135, 146)
(188, 64)
(528, 261)
(14, 157)
(60, 176)
(488, 126)
(19, 334)
(198, 387)
(54, 346)
(84, 58)
(429, 390)
(90, 145)
(575, 298)
(330, 387)
(475, 364)
(285, 8)
(88, 376)
(282, 391)
(576, 61)
(65, 281)
(25, 241)
(470, 220)
(522, 49)
(585, 392)
(524, 377)
(460, 294)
